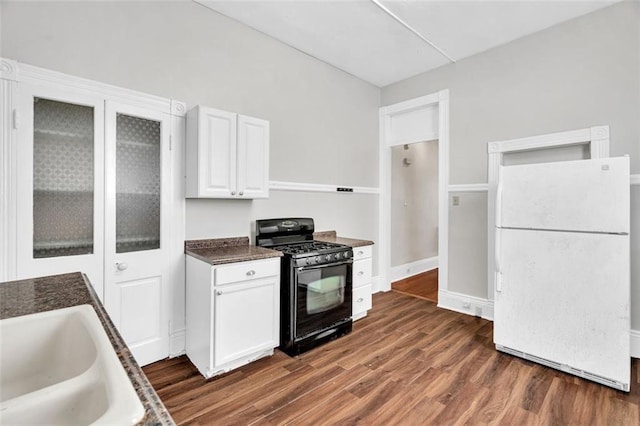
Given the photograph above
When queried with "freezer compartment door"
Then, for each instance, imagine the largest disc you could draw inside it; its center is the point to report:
(565, 298)
(584, 195)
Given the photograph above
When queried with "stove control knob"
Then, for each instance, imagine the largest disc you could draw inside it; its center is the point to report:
(317, 258)
(328, 257)
(338, 256)
(346, 254)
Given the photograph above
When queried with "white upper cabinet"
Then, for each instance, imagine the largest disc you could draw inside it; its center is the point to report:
(227, 155)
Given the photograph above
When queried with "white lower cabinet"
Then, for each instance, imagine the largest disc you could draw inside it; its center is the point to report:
(233, 313)
(362, 278)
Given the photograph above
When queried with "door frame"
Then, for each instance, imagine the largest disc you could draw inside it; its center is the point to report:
(438, 129)
(596, 137)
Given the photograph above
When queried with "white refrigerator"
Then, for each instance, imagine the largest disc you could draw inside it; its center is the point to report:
(562, 259)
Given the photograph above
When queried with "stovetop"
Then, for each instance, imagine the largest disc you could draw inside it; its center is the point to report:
(310, 248)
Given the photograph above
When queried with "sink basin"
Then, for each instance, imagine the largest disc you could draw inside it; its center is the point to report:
(59, 367)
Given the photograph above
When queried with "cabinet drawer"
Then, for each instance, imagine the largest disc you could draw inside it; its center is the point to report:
(363, 252)
(244, 271)
(362, 272)
(361, 299)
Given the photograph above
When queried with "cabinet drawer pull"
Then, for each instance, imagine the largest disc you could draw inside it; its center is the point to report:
(219, 292)
(241, 193)
(251, 273)
(360, 273)
(360, 253)
(360, 300)
(233, 192)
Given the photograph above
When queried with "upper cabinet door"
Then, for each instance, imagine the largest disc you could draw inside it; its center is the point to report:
(253, 157)
(60, 196)
(227, 155)
(138, 227)
(211, 153)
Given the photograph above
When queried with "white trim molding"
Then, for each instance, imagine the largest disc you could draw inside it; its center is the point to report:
(316, 187)
(36, 75)
(178, 343)
(635, 180)
(635, 343)
(375, 284)
(465, 304)
(401, 272)
(8, 170)
(469, 187)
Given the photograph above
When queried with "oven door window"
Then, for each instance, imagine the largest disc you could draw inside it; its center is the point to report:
(325, 294)
(323, 297)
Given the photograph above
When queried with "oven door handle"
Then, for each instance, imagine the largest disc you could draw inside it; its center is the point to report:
(328, 265)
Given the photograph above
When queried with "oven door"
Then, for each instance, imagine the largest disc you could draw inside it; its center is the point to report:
(323, 296)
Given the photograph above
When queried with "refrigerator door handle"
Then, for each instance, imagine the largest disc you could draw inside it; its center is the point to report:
(497, 253)
(498, 205)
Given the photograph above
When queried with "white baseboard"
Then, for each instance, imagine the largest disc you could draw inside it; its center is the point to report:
(465, 304)
(408, 269)
(635, 343)
(178, 343)
(375, 285)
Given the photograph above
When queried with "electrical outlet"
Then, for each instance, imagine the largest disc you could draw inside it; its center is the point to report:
(455, 200)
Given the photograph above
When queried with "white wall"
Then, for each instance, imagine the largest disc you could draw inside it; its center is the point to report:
(578, 74)
(324, 122)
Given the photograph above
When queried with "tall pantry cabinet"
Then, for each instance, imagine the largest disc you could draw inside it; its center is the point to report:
(97, 188)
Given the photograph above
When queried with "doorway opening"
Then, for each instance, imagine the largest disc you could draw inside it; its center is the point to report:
(414, 219)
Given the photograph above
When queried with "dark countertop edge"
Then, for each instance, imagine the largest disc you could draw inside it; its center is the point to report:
(224, 255)
(211, 243)
(332, 237)
(155, 411)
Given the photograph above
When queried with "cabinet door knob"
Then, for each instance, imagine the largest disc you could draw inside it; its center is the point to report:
(360, 253)
(121, 266)
(241, 193)
(360, 300)
(360, 273)
(219, 292)
(251, 273)
(233, 192)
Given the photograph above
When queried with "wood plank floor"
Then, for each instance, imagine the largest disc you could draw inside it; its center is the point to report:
(407, 363)
(424, 285)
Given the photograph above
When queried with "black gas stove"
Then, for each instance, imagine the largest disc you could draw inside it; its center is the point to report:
(315, 287)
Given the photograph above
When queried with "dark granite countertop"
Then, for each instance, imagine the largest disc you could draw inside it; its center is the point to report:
(332, 237)
(227, 250)
(36, 295)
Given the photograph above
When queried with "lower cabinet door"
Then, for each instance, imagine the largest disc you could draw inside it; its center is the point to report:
(246, 319)
(361, 300)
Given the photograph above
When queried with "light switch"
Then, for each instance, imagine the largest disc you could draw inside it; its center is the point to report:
(455, 200)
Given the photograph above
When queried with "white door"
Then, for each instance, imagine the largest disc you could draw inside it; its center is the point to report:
(253, 157)
(564, 297)
(60, 184)
(584, 195)
(137, 227)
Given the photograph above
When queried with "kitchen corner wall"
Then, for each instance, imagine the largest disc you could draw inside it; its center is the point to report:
(324, 122)
(578, 74)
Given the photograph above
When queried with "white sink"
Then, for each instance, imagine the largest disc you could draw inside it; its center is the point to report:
(59, 367)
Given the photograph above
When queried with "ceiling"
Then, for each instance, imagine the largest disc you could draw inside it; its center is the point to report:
(385, 41)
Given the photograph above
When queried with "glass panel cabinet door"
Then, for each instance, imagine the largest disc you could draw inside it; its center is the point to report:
(63, 180)
(138, 183)
(137, 227)
(60, 197)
